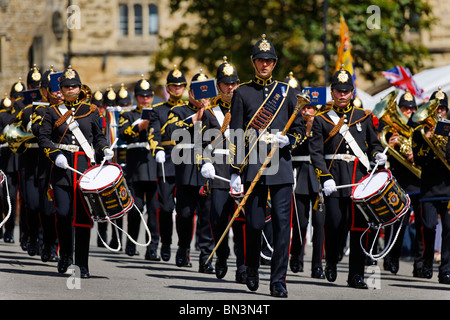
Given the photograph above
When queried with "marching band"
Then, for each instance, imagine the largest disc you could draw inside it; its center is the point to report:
(252, 154)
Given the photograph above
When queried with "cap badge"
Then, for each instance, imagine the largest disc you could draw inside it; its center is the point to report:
(228, 69)
(408, 96)
(343, 76)
(440, 95)
(176, 73)
(69, 74)
(145, 85)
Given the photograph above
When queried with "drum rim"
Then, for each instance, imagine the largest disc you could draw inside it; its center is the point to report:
(103, 187)
(376, 191)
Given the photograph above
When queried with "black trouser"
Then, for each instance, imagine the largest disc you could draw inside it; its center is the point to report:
(338, 219)
(189, 202)
(396, 250)
(303, 206)
(166, 196)
(65, 204)
(429, 213)
(47, 214)
(255, 214)
(32, 210)
(10, 188)
(222, 209)
(143, 192)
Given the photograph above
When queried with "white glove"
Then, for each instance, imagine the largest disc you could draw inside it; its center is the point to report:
(380, 158)
(109, 154)
(208, 171)
(61, 161)
(160, 156)
(282, 140)
(235, 182)
(329, 187)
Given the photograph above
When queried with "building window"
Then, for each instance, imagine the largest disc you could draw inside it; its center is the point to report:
(123, 19)
(153, 22)
(137, 20)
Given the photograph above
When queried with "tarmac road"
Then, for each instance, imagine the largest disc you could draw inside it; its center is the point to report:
(116, 276)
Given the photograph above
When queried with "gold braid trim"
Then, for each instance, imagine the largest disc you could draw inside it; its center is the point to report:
(335, 129)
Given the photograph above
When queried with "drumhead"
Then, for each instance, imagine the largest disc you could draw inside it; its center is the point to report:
(376, 183)
(99, 177)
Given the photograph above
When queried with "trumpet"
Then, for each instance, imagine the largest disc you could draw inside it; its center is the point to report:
(428, 117)
(16, 137)
(388, 112)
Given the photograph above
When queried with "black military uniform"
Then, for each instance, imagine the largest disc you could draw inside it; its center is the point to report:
(223, 204)
(187, 157)
(10, 166)
(434, 196)
(29, 221)
(410, 183)
(166, 170)
(307, 200)
(140, 169)
(65, 148)
(335, 159)
(46, 207)
(253, 103)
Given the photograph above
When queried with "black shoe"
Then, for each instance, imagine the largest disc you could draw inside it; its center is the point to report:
(221, 268)
(357, 282)
(278, 290)
(46, 253)
(206, 268)
(165, 252)
(84, 272)
(130, 250)
(331, 273)
(182, 258)
(8, 238)
(64, 263)
(295, 264)
(151, 255)
(317, 273)
(32, 247)
(241, 277)
(394, 266)
(252, 280)
(444, 278)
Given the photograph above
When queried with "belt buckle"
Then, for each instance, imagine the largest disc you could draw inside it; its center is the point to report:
(347, 157)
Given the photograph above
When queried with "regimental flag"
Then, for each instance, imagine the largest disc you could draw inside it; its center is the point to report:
(401, 78)
(344, 51)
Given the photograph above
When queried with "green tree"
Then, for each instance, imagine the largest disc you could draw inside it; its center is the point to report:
(295, 27)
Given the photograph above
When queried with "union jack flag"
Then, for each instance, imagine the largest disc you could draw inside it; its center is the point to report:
(401, 78)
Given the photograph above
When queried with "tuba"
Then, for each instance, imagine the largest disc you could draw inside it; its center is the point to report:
(16, 137)
(85, 94)
(427, 116)
(388, 112)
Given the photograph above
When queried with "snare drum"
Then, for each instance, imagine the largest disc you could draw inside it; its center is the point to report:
(382, 201)
(105, 192)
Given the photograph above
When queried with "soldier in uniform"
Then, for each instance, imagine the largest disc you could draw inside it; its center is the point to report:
(434, 193)
(411, 184)
(185, 123)
(223, 204)
(46, 208)
(259, 105)
(70, 136)
(29, 221)
(175, 86)
(339, 160)
(142, 133)
(9, 165)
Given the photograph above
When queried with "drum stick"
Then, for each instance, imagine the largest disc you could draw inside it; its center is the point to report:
(163, 174)
(221, 178)
(374, 169)
(348, 185)
(104, 160)
(76, 171)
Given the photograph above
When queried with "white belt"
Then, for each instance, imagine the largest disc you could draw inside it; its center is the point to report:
(68, 147)
(301, 158)
(185, 146)
(345, 157)
(138, 145)
(221, 151)
(32, 145)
